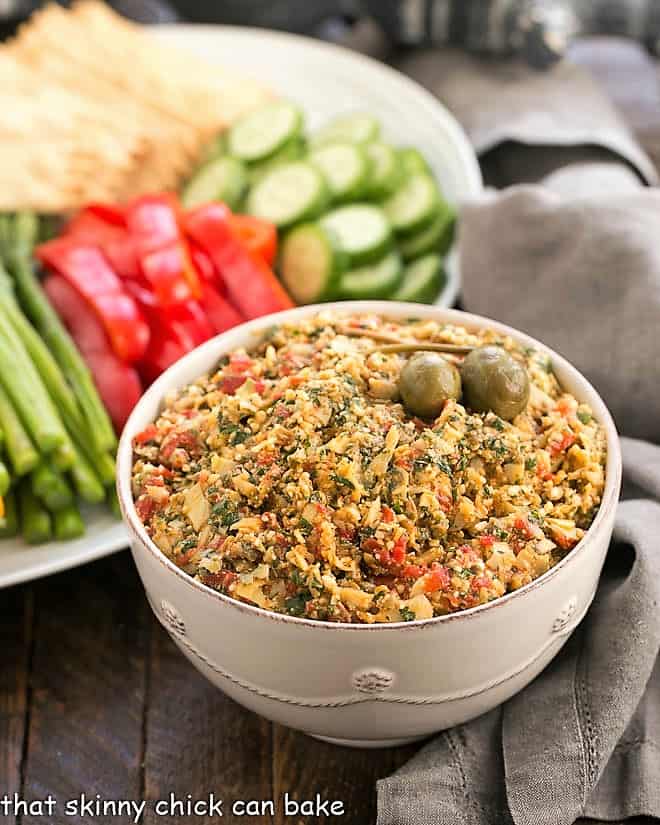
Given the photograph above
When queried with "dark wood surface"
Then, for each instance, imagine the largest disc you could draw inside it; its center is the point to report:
(95, 698)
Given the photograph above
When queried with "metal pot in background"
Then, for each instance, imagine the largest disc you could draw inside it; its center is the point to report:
(13, 12)
(539, 30)
(302, 16)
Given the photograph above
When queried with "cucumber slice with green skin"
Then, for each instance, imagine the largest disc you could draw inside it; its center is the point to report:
(310, 267)
(423, 280)
(413, 161)
(436, 237)
(385, 172)
(224, 179)
(377, 280)
(362, 231)
(292, 150)
(414, 204)
(260, 133)
(289, 193)
(352, 128)
(345, 167)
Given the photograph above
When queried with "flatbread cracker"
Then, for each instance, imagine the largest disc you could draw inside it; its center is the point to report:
(96, 108)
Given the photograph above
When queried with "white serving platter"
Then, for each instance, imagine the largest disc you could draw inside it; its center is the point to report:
(325, 80)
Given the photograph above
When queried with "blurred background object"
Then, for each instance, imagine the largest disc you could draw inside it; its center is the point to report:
(538, 30)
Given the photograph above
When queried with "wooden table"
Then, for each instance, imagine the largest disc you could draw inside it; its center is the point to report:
(95, 698)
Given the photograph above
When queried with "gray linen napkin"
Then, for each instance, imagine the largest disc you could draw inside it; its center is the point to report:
(572, 261)
(555, 117)
(582, 274)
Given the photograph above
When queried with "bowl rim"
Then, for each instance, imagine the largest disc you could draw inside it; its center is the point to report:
(397, 310)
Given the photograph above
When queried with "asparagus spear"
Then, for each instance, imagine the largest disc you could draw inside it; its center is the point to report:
(68, 523)
(5, 480)
(63, 457)
(113, 501)
(36, 523)
(42, 358)
(18, 237)
(102, 462)
(20, 449)
(24, 386)
(9, 525)
(50, 487)
(85, 480)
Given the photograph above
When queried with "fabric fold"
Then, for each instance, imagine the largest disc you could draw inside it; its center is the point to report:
(581, 274)
(499, 102)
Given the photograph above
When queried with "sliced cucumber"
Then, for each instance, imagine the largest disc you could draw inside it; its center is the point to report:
(377, 280)
(414, 204)
(345, 167)
(362, 231)
(422, 280)
(385, 170)
(260, 133)
(310, 266)
(224, 179)
(292, 150)
(436, 237)
(353, 128)
(289, 193)
(413, 161)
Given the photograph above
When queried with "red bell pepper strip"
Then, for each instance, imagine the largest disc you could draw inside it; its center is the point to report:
(162, 268)
(153, 220)
(204, 265)
(189, 323)
(118, 383)
(154, 223)
(108, 212)
(258, 236)
(87, 270)
(219, 311)
(114, 241)
(122, 256)
(172, 337)
(252, 286)
(161, 354)
(88, 227)
(174, 331)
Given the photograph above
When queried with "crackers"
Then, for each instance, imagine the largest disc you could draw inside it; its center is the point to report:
(98, 109)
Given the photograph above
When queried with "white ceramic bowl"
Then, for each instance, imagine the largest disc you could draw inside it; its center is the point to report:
(369, 685)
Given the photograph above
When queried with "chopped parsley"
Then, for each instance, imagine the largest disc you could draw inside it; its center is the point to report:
(407, 615)
(342, 482)
(295, 606)
(226, 512)
(187, 544)
(236, 433)
(305, 526)
(497, 446)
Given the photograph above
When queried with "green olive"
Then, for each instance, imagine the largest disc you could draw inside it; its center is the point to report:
(426, 382)
(494, 380)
